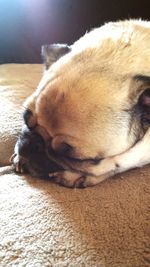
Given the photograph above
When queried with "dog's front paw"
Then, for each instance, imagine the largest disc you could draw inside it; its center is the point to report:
(74, 179)
(18, 163)
(68, 178)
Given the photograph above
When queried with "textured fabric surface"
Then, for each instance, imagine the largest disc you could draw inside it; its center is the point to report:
(45, 225)
(16, 83)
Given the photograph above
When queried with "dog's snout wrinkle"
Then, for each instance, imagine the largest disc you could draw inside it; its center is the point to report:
(93, 161)
(62, 149)
(96, 160)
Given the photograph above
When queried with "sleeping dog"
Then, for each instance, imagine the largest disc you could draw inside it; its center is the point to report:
(93, 103)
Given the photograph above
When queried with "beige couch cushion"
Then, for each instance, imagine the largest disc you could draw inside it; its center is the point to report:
(17, 81)
(46, 225)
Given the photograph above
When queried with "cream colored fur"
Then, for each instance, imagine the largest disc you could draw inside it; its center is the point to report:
(83, 98)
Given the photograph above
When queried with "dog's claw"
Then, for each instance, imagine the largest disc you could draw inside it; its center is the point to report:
(53, 174)
(18, 162)
(12, 158)
(58, 177)
(80, 183)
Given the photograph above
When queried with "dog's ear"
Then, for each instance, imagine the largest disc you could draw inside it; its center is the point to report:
(51, 53)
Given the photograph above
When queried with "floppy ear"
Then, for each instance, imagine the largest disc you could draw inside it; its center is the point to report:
(51, 53)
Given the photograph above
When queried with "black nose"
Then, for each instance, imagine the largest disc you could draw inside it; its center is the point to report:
(63, 149)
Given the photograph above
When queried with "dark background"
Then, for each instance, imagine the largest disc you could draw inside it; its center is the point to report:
(27, 24)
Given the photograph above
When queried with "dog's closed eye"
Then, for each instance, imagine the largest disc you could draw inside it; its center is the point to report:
(142, 94)
(144, 99)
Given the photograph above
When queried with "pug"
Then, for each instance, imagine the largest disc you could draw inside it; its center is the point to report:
(93, 103)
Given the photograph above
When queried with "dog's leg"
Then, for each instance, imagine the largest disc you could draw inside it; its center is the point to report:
(75, 179)
(137, 156)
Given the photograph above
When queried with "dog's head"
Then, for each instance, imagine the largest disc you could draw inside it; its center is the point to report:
(94, 101)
